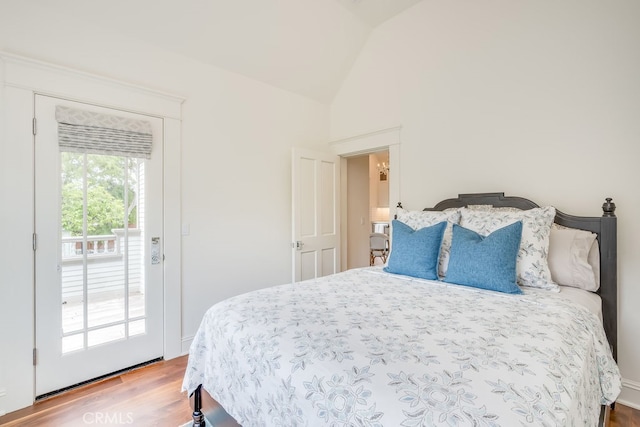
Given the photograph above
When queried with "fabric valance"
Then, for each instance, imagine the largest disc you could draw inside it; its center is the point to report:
(81, 131)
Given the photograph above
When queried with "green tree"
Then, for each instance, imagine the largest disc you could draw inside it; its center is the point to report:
(105, 192)
(104, 212)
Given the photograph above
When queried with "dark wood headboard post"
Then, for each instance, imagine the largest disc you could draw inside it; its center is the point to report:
(609, 273)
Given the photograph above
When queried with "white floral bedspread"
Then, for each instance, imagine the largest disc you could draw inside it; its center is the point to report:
(367, 348)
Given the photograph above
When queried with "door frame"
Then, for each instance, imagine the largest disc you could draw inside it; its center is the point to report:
(114, 354)
(367, 143)
(21, 79)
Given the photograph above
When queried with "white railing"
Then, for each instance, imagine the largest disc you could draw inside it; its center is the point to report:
(108, 244)
(105, 264)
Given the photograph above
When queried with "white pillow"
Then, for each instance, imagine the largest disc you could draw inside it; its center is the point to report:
(421, 219)
(532, 265)
(570, 251)
(594, 261)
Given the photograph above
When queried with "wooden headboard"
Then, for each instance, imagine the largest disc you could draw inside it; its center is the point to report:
(605, 227)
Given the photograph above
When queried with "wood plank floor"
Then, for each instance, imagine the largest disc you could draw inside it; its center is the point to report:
(623, 416)
(150, 396)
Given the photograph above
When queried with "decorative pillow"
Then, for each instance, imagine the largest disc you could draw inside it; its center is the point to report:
(569, 251)
(421, 219)
(485, 262)
(532, 266)
(415, 252)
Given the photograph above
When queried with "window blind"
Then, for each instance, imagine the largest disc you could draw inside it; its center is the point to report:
(81, 131)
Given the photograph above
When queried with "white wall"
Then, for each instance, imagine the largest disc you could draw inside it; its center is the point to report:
(358, 225)
(237, 136)
(539, 99)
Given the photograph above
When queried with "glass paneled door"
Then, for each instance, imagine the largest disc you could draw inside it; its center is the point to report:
(99, 280)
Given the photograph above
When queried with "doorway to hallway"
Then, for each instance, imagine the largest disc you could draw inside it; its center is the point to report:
(367, 205)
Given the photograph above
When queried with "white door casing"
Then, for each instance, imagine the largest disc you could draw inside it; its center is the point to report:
(55, 370)
(20, 79)
(315, 214)
(371, 142)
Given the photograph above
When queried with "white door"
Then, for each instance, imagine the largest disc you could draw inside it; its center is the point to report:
(99, 279)
(316, 214)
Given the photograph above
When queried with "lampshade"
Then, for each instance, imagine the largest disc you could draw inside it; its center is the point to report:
(380, 214)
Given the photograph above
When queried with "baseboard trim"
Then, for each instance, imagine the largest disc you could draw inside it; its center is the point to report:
(630, 395)
(631, 384)
(186, 343)
(3, 393)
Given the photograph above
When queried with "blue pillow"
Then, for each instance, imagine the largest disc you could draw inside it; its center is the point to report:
(485, 262)
(415, 252)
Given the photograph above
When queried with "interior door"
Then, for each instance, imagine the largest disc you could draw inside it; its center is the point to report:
(98, 255)
(316, 214)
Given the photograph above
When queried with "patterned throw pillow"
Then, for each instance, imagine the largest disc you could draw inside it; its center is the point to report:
(421, 219)
(415, 252)
(485, 262)
(532, 266)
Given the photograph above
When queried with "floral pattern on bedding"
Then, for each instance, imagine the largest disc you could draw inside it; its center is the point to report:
(368, 348)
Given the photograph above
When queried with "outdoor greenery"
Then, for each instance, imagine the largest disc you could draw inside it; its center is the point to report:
(105, 192)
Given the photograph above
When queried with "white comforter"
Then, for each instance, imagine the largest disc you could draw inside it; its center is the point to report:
(367, 348)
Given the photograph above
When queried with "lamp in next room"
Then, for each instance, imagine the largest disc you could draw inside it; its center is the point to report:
(380, 215)
(380, 220)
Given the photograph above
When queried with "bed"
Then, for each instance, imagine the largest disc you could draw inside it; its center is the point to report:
(377, 348)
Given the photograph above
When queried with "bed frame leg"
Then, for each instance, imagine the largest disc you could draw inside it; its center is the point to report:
(198, 416)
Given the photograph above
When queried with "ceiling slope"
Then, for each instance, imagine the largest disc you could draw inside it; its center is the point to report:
(303, 46)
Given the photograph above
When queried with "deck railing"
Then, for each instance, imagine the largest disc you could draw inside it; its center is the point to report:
(105, 264)
(107, 244)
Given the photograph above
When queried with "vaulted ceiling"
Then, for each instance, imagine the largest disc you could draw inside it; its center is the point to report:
(304, 46)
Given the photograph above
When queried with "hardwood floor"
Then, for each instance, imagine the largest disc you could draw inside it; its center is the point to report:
(150, 396)
(623, 416)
